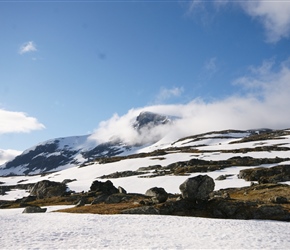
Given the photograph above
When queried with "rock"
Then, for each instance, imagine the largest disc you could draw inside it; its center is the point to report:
(274, 174)
(221, 178)
(279, 200)
(158, 195)
(99, 199)
(115, 198)
(65, 181)
(122, 190)
(80, 203)
(46, 189)
(104, 187)
(34, 209)
(141, 210)
(197, 188)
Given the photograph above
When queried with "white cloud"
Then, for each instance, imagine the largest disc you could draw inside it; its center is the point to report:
(27, 47)
(265, 105)
(166, 94)
(17, 122)
(7, 155)
(273, 15)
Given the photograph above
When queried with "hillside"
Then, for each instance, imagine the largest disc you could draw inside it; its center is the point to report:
(250, 171)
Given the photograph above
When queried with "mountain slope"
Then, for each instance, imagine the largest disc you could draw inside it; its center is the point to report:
(61, 153)
(219, 153)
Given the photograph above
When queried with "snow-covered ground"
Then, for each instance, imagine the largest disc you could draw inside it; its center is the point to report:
(86, 175)
(55, 230)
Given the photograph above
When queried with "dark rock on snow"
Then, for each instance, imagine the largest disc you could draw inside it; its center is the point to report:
(46, 189)
(34, 209)
(197, 188)
(104, 187)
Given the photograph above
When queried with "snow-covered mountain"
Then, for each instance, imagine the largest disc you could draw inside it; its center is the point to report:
(218, 153)
(61, 153)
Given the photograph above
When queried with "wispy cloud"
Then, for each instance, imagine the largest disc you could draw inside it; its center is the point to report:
(168, 93)
(27, 47)
(17, 122)
(265, 103)
(273, 15)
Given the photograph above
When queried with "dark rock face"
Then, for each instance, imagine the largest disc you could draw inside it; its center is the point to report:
(34, 209)
(158, 194)
(197, 188)
(149, 119)
(104, 187)
(274, 174)
(46, 189)
(141, 210)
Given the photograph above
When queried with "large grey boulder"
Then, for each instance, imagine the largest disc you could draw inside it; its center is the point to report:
(158, 194)
(46, 189)
(34, 209)
(197, 188)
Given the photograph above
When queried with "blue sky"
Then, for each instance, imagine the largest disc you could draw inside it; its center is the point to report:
(68, 66)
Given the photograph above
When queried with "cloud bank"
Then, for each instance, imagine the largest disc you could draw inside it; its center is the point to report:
(264, 103)
(17, 122)
(27, 47)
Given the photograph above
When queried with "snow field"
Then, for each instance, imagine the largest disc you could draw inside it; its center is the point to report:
(88, 231)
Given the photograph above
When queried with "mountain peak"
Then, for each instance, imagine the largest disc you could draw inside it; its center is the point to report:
(150, 119)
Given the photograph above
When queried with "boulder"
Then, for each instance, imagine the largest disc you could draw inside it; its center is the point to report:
(158, 195)
(34, 209)
(46, 189)
(197, 188)
(104, 187)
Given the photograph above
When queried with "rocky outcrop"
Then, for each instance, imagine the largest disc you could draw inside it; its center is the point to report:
(34, 209)
(46, 189)
(274, 174)
(158, 194)
(197, 188)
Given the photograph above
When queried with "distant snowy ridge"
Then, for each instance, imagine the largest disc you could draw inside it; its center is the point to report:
(62, 153)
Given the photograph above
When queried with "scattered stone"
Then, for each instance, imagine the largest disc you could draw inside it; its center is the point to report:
(34, 209)
(197, 188)
(159, 195)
